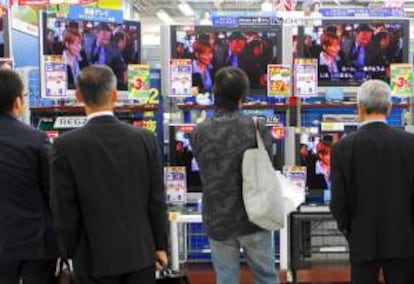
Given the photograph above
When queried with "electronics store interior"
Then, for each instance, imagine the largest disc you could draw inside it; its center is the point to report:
(304, 69)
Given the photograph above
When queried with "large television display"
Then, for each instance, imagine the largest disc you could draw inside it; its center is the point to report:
(350, 52)
(84, 43)
(5, 51)
(210, 48)
(180, 153)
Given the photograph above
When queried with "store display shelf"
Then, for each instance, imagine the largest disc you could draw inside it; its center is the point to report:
(345, 105)
(245, 106)
(80, 109)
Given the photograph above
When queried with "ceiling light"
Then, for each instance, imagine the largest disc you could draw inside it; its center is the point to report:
(267, 7)
(186, 9)
(163, 16)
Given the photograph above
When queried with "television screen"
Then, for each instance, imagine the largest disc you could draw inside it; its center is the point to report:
(84, 43)
(211, 48)
(181, 153)
(4, 34)
(352, 51)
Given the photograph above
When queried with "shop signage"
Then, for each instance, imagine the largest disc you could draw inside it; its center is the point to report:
(279, 81)
(54, 69)
(242, 19)
(67, 122)
(176, 185)
(362, 12)
(81, 13)
(401, 80)
(306, 77)
(139, 82)
(33, 2)
(180, 78)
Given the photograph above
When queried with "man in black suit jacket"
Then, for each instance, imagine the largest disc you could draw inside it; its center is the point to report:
(235, 55)
(28, 246)
(373, 192)
(107, 191)
(103, 51)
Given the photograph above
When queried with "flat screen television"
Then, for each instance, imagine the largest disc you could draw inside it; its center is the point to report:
(180, 153)
(350, 52)
(210, 48)
(84, 43)
(5, 46)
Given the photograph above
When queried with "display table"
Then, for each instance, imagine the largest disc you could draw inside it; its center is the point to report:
(314, 239)
(175, 218)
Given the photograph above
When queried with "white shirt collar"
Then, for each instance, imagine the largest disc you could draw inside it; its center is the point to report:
(371, 121)
(100, 113)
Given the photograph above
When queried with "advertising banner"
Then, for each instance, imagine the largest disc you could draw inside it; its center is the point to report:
(401, 80)
(279, 81)
(139, 82)
(180, 78)
(306, 77)
(176, 185)
(54, 68)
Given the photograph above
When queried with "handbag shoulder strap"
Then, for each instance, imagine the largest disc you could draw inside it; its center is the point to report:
(259, 140)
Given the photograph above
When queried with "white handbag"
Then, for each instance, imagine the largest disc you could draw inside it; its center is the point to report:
(262, 193)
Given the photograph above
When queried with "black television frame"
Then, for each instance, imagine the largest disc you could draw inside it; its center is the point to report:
(405, 23)
(122, 94)
(278, 29)
(5, 18)
(278, 154)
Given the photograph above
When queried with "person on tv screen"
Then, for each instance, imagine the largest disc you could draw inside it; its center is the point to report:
(318, 176)
(105, 52)
(202, 77)
(330, 62)
(380, 60)
(257, 66)
(235, 55)
(52, 46)
(359, 53)
(74, 56)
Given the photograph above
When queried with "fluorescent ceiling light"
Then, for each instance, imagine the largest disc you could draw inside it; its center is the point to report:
(186, 9)
(163, 16)
(266, 7)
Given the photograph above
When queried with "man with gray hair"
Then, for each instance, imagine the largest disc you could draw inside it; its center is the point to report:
(107, 191)
(373, 192)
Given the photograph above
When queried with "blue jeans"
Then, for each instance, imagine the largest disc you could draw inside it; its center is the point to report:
(258, 250)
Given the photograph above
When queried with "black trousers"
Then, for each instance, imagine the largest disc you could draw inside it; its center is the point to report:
(395, 271)
(143, 276)
(32, 272)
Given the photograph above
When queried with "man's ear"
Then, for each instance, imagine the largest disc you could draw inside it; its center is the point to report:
(389, 107)
(17, 107)
(361, 111)
(113, 97)
(78, 96)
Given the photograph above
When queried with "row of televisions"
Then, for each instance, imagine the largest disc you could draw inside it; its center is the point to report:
(257, 47)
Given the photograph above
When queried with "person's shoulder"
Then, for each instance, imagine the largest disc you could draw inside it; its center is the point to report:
(27, 130)
(135, 130)
(69, 136)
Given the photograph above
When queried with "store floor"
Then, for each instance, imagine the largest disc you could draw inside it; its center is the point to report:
(202, 273)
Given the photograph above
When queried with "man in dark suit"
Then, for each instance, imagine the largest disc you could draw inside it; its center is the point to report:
(28, 246)
(104, 52)
(235, 55)
(107, 191)
(373, 192)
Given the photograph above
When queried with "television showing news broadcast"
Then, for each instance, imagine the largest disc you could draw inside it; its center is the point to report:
(352, 51)
(211, 48)
(84, 43)
(181, 154)
(4, 33)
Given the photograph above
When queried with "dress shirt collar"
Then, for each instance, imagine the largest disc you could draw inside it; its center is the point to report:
(100, 113)
(369, 121)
